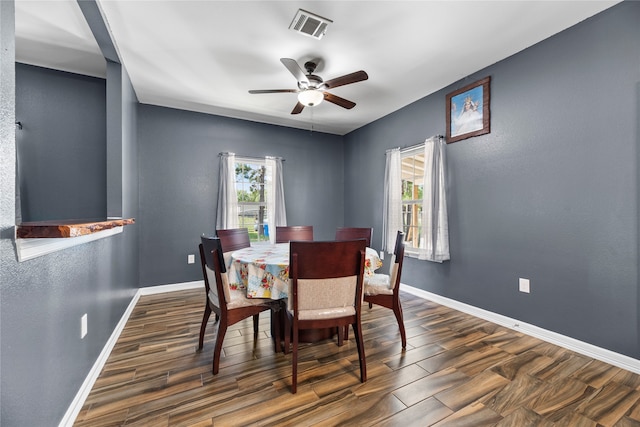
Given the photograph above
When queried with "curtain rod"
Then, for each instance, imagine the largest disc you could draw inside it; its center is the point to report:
(411, 147)
(250, 157)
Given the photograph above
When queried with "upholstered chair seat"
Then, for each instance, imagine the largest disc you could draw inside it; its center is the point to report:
(234, 298)
(384, 289)
(326, 292)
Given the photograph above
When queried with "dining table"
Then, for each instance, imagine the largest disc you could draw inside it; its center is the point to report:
(263, 270)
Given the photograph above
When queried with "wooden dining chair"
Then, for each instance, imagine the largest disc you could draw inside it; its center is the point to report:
(233, 239)
(326, 292)
(351, 233)
(230, 306)
(285, 234)
(384, 289)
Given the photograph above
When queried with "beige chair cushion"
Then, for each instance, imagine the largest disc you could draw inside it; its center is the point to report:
(327, 313)
(239, 299)
(212, 284)
(325, 298)
(234, 298)
(382, 284)
(377, 285)
(393, 272)
(227, 259)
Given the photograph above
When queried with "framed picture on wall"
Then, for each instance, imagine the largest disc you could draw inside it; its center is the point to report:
(468, 111)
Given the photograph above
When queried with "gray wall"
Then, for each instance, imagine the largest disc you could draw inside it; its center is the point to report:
(551, 194)
(62, 145)
(179, 182)
(43, 361)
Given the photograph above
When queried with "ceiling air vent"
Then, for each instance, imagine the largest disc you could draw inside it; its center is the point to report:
(309, 24)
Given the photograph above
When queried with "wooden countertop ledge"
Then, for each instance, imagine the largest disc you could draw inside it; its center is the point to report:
(68, 228)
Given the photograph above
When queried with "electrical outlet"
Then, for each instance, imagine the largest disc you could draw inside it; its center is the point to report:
(83, 326)
(381, 255)
(524, 285)
(191, 258)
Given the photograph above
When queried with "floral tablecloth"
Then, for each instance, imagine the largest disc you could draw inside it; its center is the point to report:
(263, 270)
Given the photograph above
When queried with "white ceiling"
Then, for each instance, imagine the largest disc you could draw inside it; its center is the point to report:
(205, 55)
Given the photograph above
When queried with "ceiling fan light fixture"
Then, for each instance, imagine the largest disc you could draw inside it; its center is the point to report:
(310, 97)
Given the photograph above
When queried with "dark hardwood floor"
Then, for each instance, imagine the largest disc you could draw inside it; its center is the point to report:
(457, 370)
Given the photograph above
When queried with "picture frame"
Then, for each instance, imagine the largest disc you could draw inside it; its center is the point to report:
(468, 112)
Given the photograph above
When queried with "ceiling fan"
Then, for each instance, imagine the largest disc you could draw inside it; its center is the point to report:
(312, 90)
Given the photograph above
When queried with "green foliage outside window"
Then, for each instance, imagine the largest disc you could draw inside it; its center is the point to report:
(252, 209)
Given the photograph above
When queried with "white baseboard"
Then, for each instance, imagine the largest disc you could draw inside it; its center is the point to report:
(590, 350)
(151, 290)
(75, 407)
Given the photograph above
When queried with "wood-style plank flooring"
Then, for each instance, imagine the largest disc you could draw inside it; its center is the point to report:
(457, 370)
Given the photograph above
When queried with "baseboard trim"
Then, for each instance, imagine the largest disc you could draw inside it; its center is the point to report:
(590, 350)
(152, 290)
(77, 403)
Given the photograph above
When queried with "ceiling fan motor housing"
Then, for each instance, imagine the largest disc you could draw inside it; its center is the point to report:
(313, 82)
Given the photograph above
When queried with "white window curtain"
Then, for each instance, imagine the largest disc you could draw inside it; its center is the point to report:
(392, 199)
(227, 212)
(435, 222)
(434, 235)
(276, 209)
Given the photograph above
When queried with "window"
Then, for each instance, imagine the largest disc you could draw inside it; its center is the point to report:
(251, 195)
(412, 196)
(415, 200)
(251, 179)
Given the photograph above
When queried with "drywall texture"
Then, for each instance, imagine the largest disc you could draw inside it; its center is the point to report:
(551, 194)
(178, 160)
(43, 360)
(62, 144)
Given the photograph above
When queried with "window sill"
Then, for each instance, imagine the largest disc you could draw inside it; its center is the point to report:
(36, 239)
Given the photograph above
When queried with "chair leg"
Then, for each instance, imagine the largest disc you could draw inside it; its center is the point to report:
(294, 363)
(287, 333)
(205, 320)
(275, 329)
(357, 331)
(256, 320)
(222, 330)
(346, 333)
(397, 310)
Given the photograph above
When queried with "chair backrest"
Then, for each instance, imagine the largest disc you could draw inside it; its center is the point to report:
(209, 244)
(395, 268)
(233, 239)
(351, 233)
(326, 275)
(214, 270)
(285, 234)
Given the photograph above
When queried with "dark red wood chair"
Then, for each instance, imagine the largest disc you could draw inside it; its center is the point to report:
(352, 233)
(384, 289)
(326, 292)
(230, 306)
(233, 239)
(285, 234)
